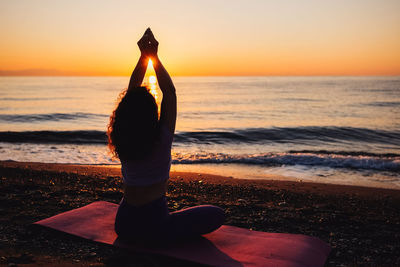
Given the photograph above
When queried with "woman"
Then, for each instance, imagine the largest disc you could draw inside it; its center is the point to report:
(142, 140)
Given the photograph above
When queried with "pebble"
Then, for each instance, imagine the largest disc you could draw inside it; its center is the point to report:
(283, 203)
(241, 201)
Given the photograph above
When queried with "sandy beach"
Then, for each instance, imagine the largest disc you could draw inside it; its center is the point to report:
(361, 224)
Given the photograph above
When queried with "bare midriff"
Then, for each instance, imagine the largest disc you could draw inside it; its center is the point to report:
(141, 195)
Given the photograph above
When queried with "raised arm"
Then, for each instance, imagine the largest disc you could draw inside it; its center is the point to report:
(138, 73)
(140, 69)
(168, 104)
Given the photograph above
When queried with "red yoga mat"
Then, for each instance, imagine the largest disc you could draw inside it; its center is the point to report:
(227, 246)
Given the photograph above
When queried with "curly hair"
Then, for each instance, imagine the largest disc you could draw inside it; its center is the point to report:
(133, 128)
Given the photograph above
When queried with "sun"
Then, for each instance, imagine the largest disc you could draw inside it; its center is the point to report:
(150, 64)
(152, 79)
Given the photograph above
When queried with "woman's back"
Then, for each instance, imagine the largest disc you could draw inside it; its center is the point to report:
(154, 167)
(146, 179)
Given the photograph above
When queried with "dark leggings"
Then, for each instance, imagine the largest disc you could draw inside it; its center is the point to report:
(154, 223)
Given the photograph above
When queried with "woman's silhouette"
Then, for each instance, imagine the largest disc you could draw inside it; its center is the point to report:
(142, 141)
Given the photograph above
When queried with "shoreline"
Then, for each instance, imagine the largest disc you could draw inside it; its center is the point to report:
(273, 181)
(362, 224)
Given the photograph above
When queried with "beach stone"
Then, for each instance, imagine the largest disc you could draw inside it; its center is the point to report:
(241, 201)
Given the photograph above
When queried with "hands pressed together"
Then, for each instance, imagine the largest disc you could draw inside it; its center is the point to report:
(148, 45)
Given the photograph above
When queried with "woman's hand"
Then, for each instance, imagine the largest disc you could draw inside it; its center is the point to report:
(148, 45)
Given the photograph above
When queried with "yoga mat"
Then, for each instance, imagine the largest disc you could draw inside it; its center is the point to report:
(227, 246)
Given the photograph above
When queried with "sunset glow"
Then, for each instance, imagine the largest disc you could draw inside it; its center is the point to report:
(152, 79)
(202, 38)
(150, 75)
(150, 72)
(150, 65)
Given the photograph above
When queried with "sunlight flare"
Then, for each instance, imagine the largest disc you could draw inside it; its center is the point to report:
(150, 64)
(152, 79)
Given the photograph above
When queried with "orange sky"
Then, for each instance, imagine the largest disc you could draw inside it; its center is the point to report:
(235, 37)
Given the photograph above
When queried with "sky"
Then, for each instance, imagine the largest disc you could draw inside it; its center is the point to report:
(201, 38)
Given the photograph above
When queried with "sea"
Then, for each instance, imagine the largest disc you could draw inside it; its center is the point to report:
(340, 130)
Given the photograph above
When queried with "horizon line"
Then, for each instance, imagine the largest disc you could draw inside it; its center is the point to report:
(66, 73)
(217, 75)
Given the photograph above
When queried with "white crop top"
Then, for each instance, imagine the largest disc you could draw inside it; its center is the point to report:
(154, 168)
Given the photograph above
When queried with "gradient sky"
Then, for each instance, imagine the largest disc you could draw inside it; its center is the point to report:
(207, 37)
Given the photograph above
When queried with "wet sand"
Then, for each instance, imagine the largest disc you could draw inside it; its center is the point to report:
(361, 224)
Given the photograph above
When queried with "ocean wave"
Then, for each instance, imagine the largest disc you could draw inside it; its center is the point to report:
(28, 118)
(55, 137)
(391, 164)
(383, 104)
(299, 99)
(291, 135)
(297, 135)
(346, 153)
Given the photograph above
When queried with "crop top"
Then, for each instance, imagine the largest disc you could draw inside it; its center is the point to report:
(155, 167)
